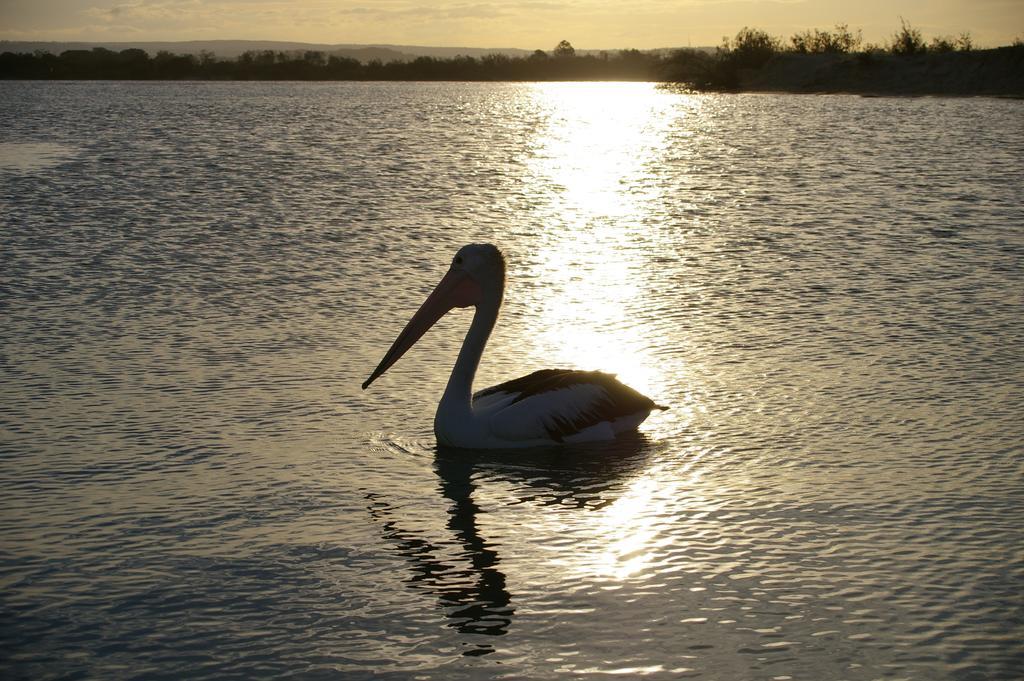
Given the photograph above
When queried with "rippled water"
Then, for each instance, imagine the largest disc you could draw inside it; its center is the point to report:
(196, 278)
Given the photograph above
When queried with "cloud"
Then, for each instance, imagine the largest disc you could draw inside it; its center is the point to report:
(486, 23)
(143, 11)
(237, 12)
(446, 11)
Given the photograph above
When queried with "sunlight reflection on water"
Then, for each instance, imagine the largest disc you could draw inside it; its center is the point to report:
(591, 163)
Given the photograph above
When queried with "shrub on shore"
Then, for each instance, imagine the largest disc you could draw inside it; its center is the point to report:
(753, 48)
(841, 41)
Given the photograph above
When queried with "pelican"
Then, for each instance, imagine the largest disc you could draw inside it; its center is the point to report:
(547, 407)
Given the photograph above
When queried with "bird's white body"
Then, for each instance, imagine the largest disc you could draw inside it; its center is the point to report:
(507, 418)
(546, 407)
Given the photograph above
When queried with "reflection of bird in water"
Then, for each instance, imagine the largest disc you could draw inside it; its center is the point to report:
(475, 597)
(547, 407)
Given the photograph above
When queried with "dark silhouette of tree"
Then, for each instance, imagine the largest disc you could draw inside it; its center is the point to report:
(907, 40)
(750, 48)
(168, 66)
(695, 68)
(564, 49)
(841, 41)
(343, 68)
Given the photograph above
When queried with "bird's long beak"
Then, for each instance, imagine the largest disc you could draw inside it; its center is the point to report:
(456, 289)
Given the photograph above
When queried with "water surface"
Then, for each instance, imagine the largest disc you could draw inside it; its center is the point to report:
(196, 277)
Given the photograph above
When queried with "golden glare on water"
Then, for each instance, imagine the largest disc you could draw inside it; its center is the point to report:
(595, 166)
(628, 535)
(599, 138)
(628, 532)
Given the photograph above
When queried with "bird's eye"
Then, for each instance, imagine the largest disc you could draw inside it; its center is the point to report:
(458, 260)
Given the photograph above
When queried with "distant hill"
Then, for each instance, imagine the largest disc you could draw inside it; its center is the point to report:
(229, 49)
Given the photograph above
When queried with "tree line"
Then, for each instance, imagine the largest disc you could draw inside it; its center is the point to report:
(715, 69)
(134, 64)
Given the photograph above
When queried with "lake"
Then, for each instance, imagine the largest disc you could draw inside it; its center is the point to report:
(827, 291)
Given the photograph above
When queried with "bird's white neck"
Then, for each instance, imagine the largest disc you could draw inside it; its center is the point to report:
(455, 411)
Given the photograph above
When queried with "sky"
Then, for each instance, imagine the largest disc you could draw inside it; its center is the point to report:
(533, 24)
